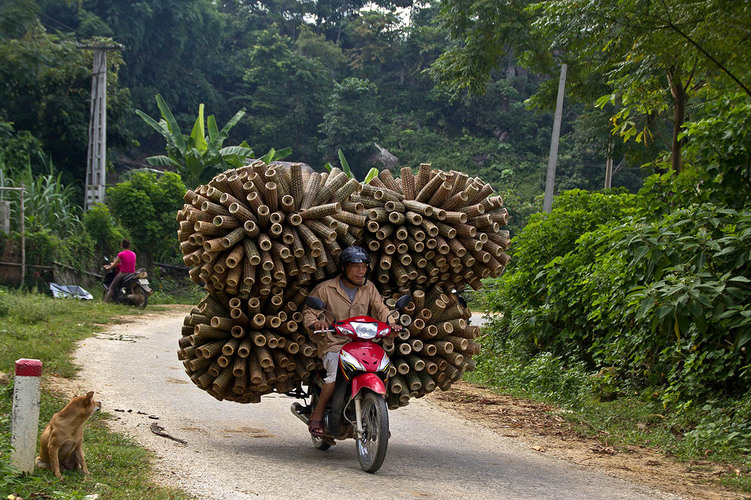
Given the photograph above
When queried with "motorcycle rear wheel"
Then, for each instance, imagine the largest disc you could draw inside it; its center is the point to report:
(321, 443)
(371, 448)
(142, 294)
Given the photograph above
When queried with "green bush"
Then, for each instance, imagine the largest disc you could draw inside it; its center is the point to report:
(146, 205)
(103, 230)
(664, 301)
(521, 293)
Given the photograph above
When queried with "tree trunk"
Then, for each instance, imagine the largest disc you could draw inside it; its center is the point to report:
(679, 116)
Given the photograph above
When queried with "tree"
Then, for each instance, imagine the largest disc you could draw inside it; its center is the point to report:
(145, 205)
(16, 17)
(198, 157)
(483, 32)
(46, 92)
(657, 55)
(289, 95)
(352, 122)
(104, 230)
(171, 47)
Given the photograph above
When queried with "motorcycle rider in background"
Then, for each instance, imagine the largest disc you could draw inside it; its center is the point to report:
(126, 261)
(347, 295)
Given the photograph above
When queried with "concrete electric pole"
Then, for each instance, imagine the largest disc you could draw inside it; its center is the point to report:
(547, 204)
(96, 160)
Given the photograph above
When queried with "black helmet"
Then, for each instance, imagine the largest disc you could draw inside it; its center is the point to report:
(353, 255)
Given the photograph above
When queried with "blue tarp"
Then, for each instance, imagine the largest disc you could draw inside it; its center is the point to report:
(69, 291)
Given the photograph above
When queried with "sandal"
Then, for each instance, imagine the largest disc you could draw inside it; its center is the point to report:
(315, 427)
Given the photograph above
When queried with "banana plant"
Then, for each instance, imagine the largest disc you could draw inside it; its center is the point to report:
(198, 157)
(373, 172)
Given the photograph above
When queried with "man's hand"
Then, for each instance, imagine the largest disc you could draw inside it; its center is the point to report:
(319, 325)
(395, 328)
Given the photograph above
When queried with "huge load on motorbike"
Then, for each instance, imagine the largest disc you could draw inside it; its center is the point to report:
(258, 238)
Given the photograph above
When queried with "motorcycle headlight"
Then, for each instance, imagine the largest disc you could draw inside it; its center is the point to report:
(365, 330)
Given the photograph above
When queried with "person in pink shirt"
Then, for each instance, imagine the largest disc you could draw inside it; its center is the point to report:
(126, 262)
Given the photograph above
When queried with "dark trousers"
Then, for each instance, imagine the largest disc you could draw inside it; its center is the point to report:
(114, 286)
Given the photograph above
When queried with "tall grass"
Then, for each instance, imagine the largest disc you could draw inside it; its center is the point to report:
(49, 205)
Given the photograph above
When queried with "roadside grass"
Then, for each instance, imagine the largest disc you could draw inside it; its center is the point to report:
(39, 327)
(711, 434)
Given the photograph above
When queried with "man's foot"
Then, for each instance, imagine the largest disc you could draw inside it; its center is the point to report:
(315, 427)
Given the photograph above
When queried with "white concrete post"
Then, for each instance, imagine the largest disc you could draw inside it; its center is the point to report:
(547, 203)
(25, 417)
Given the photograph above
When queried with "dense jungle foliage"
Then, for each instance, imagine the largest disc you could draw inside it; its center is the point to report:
(316, 77)
(645, 285)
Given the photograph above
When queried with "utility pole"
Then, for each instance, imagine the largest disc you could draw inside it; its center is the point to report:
(547, 204)
(96, 159)
(609, 166)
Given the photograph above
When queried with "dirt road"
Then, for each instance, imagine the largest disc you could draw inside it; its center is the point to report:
(234, 451)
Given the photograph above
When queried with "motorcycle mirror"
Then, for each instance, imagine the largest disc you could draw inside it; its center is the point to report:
(402, 302)
(314, 303)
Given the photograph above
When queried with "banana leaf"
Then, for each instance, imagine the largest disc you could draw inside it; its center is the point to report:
(198, 134)
(174, 128)
(345, 165)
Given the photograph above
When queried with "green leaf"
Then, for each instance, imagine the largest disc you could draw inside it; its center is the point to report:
(213, 131)
(663, 311)
(639, 254)
(162, 161)
(174, 128)
(282, 153)
(644, 308)
(224, 133)
(372, 174)
(197, 134)
(345, 165)
(742, 339)
(268, 157)
(153, 123)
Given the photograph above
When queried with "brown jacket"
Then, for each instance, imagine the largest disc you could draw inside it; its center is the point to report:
(368, 302)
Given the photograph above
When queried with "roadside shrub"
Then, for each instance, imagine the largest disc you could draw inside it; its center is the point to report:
(146, 205)
(665, 302)
(104, 230)
(521, 293)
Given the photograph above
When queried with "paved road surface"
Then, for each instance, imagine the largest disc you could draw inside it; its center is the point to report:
(236, 451)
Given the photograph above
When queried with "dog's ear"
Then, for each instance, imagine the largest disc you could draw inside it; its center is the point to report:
(90, 395)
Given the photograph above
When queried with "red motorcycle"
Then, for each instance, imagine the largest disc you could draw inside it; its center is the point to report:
(358, 408)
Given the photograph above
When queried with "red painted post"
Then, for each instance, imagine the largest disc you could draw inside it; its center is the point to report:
(25, 417)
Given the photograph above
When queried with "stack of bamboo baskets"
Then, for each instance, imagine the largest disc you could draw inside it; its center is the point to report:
(258, 238)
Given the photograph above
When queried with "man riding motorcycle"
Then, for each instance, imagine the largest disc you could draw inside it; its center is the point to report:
(347, 295)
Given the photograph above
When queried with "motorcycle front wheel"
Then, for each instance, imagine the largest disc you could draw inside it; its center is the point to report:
(371, 448)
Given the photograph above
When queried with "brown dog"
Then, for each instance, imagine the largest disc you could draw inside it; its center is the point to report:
(62, 440)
